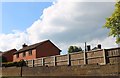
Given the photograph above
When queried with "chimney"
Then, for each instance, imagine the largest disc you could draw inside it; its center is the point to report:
(24, 45)
(99, 46)
(88, 48)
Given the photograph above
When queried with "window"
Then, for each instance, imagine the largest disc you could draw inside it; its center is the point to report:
(30, 52)
(24, 54)
(17, 55)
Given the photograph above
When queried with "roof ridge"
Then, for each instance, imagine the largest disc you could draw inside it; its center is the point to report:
(36, 43)
(31, 46)
(9, 50)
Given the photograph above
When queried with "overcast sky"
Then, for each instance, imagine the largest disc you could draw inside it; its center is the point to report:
(64, 23)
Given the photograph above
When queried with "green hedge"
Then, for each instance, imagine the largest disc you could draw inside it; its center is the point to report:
(17, 64)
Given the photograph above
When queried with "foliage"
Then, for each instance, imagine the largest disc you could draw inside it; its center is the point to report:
(72, 49)
(113, 23)
(8, 64)
(17, 64)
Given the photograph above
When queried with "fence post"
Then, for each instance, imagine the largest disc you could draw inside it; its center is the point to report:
(69, 61)
(104, 56)
(84, 55)
(33, 63)
(42, 61)
(54, 60)
(85, 60)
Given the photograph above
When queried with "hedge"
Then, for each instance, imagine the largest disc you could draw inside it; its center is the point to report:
(17, 64)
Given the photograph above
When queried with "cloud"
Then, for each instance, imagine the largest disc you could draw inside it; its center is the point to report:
(13, 40)
(72, 21)
(66, 23)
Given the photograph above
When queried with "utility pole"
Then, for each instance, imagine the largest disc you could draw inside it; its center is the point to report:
(85, 46)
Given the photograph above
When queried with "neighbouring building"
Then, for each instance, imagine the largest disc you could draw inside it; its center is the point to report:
(8, 55)
(0, 53)
(97, 48)
(0, 58)
(42, 49)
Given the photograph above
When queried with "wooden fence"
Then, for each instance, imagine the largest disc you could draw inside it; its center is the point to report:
(102, 56)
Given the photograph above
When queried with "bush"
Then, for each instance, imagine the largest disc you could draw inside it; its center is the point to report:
(21, 63)
(8, 64)
(17, 64)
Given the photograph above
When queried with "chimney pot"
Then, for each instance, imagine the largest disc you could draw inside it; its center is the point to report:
(88, 48)
(99, 46)
(24, 45)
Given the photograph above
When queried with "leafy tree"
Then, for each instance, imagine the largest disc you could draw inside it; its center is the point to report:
(72, 49)
(113, 23)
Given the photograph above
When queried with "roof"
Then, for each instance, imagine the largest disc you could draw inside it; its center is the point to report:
(95, 48)
(12, 50)
(32, 46)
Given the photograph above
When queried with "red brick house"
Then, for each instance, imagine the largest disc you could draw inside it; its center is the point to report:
(8, 55)
(0, 53)
(42, 49)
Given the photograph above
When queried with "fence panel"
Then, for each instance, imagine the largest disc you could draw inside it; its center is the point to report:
(38, 62)
(29, 63)
(77, 62)
(77, 55)
(62, 60)
(95, 57)
(102, 56)
(95, 60)
(77, 58)
(49, 61)
(97, 53)
(113, 52)
(113, 55)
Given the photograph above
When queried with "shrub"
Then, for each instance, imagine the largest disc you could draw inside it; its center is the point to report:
(17, 64)
(8, 64)
(21, 63)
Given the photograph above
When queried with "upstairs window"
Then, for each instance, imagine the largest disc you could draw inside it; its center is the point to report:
(30, 52)
(24, 54)
(17, 55)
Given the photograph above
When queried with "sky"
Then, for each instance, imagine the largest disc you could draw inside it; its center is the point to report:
(64, 22)
(20, 15)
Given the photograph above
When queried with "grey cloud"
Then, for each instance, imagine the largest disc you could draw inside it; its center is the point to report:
(86, 27)
(82, 21)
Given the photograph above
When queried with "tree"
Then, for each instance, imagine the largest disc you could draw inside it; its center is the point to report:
(113, 23)
(72, 49)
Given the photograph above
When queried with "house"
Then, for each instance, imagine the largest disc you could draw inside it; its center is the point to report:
(0, 53)
(97, 48)
(8, 55)
(42, 49)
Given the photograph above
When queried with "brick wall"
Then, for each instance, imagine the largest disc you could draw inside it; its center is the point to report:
(47, 49)
(43, 50)
(27, 56)
(80, 70)
(9, 55)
